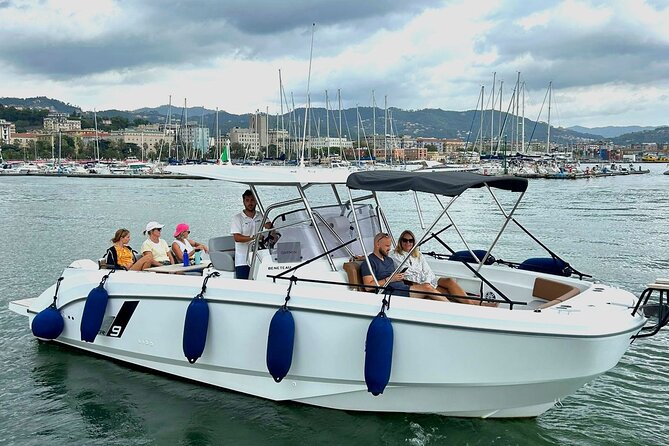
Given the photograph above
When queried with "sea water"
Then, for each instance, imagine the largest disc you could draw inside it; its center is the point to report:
(612, 228)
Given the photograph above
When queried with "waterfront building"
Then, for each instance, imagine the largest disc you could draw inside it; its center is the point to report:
(381, 141)
(23, 140)
(148, 140)
(415, 154)
(247, 138)
(278, 138)
(452, 145)
(258, 124)
(323, 142)
(55, 122)
(5, 132)
(424, 143)
(89, 136)
(200, 139)
(407, 142)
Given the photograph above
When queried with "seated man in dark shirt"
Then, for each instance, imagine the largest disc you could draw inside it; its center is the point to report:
(383, 266)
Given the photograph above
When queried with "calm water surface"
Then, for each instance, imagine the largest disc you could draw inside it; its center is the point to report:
(612, 228)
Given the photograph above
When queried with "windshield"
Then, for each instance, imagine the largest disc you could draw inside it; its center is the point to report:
(336, 224)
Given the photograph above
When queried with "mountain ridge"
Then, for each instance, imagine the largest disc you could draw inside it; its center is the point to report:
(428, 122)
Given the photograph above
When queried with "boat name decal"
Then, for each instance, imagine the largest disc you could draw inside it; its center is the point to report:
(115, 326)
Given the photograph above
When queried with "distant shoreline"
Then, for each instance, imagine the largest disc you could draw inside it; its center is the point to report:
(95, 175)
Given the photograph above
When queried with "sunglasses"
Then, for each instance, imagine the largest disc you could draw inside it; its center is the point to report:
(158, 229)
(407, 240)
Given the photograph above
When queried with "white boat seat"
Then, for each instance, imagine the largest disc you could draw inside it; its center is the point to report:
(222, 252)
(552, 291)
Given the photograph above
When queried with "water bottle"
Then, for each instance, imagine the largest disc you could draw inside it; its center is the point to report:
(186, 259)
(198, 257)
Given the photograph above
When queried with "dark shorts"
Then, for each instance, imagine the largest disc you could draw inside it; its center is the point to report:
(399, 289)
(242, 272)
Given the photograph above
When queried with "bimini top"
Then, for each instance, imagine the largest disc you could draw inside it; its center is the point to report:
(443, 183)
(264, 175)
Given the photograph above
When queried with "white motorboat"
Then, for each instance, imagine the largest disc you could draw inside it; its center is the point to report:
(549, 335)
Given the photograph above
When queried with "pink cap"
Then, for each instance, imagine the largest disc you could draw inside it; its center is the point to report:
(181, 227)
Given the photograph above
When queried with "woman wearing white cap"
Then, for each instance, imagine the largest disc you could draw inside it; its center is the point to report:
(156, 246)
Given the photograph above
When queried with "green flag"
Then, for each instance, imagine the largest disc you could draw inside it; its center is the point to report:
(225, 153)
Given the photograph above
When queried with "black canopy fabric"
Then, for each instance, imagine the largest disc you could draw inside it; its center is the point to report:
(443, 183)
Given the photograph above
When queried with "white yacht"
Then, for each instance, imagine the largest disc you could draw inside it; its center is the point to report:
(301, 330)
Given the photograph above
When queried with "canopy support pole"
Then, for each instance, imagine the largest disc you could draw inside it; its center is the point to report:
(360, 237)
(307, 207)
(509, 217)
(420, 211)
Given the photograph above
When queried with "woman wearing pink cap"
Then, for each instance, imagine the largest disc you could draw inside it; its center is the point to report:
(182, 242)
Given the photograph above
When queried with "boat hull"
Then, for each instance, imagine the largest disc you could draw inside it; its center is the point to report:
(448, 359)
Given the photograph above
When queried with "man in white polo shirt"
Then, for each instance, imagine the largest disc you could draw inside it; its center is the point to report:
(245, 225)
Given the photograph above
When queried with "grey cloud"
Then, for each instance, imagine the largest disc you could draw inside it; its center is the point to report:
(580, 58)
(181, 33)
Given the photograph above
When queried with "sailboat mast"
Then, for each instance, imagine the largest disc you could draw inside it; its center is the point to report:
(186, 129)
(165, 129)
(306, 111)
(293, 141)
(281, 96)
(327, 121)
(548, 138)
(523, 120)
(481, 125)
(357, 117)
(492, 111)
(267, 130)
(385, 129)
(373, 124)
(97, 138)
(341, 130)
(499, 139)
(217, 140)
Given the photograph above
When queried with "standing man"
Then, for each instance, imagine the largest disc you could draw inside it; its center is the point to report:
(383, 266)
(245, 225)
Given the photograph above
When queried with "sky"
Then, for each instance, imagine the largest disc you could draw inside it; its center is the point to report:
(608, 61)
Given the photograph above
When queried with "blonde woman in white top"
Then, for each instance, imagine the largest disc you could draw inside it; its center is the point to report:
(419, 271)
(156, 246)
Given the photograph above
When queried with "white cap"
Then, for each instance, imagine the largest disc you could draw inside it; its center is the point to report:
(153, 225)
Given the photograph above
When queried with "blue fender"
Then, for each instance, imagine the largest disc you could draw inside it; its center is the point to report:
(48, 323)
(280, 343)
(94, 313)
(378, 354)
(466, 256)
(196, 326)
(547, 265)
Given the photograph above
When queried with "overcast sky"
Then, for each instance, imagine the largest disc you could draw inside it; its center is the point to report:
(608, 60)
